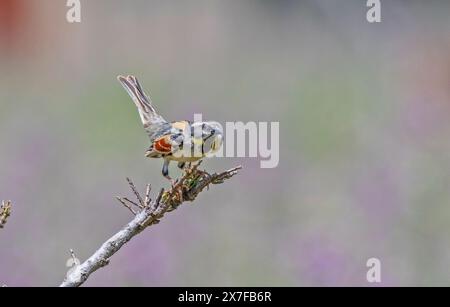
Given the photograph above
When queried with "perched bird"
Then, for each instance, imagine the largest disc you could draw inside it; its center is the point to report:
(181, 141)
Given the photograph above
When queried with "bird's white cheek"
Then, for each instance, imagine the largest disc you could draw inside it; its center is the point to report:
(218, 143)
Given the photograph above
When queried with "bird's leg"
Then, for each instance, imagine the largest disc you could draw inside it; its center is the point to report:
(181, 165)
(165, 172)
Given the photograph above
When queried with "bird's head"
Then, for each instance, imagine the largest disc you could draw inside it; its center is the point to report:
(212, 136)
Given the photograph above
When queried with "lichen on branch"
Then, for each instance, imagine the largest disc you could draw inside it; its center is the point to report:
(5, 212)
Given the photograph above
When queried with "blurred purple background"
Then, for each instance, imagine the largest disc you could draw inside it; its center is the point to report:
(364, 112)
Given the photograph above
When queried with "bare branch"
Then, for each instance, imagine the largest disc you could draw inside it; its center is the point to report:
(187, 188)
(5, 212)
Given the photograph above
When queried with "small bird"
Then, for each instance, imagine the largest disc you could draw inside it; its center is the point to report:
(181, 141)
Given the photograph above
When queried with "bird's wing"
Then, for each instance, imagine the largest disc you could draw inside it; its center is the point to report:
(163, 145)
(147, 112)
(166, 144)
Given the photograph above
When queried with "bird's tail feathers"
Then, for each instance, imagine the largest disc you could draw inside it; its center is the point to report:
(141, 100)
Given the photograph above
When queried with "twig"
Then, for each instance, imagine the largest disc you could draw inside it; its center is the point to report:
(187, 188)
(147, 195)
(136, 193)
(123, 202)
(5, 212)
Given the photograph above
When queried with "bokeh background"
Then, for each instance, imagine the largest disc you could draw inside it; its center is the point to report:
(364, 112)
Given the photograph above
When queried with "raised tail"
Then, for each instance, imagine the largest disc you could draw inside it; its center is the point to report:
(146, 110)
